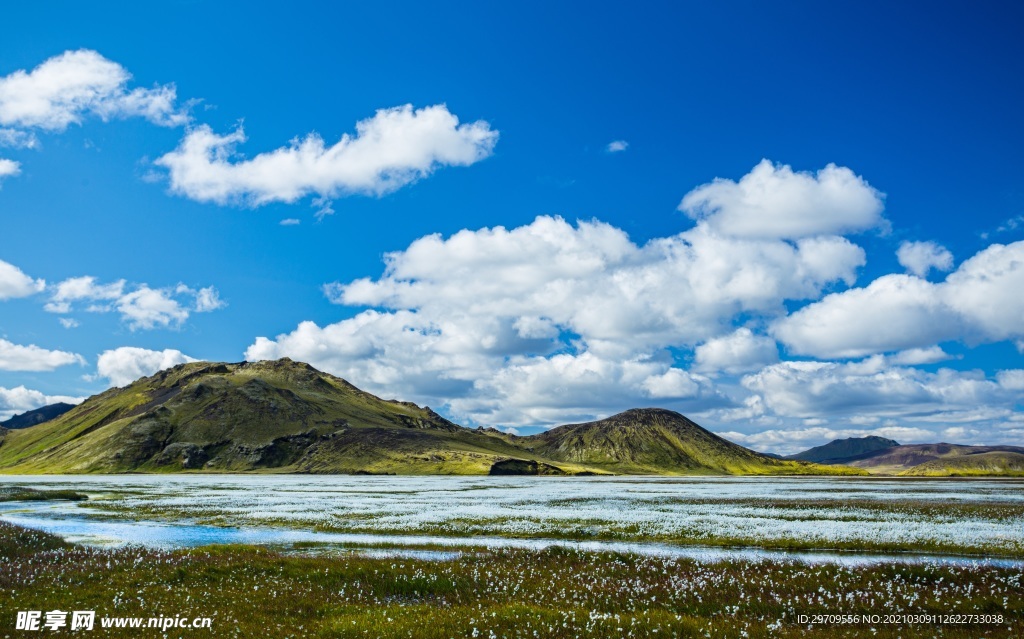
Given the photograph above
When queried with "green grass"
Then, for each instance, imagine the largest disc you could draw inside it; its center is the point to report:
(24, 493)
(252, 592)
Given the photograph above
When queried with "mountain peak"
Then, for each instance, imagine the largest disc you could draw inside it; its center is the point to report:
(840, 451)
(649, 440)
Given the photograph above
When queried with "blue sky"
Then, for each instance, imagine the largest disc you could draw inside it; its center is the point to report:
(505, 236)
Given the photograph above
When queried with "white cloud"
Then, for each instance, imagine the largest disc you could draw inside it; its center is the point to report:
(485, 318)
(291, 221)
(9, 168)
(15, 357)
(672, 384)
(894, 312)
(874, 388)
(141, 308)
(66, 88)
(738, 352)
(1011, 379)
(74, 289)
(979, 302)
(124, 365)
(68, 322)
(773, 201)
(17, 400)
(553, 322)
(208, 299)
(14, 283)
(148, 308)
(593, 281)
(920, 257)
(393, 148)
(17, 139)
(617, 146)
(986, 290)
(918, 356)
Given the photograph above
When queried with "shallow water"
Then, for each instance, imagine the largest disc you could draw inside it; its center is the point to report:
(52, 518)
(465, 512)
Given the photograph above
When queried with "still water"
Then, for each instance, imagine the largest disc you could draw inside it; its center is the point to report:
(441, 517)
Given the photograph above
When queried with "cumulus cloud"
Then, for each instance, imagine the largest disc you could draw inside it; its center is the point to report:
(20, 399)
(921, 257)
(14, 282)
(484, 318)
(773, 201)
(141, 307)
(738, 352)
(617, 146)
(66, 88)
(552, 322)
(124, 365)
(979, 302)
(148, 308)
(874, 388)
(894, 312)
(15, 357)
(593, 281)
(73, 289)
(393, 148)
(1011, 379)
(207, 299)
(8, 168)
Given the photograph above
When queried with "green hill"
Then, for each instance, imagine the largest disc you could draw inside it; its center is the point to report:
(993, 463)
(285, 416)
(842, 451)
(653, 440)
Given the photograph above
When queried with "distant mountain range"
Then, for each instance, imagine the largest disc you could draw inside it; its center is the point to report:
(37, 416)
(887, 457)
(285, 416)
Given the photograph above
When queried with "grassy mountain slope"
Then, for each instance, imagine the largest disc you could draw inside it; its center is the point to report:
(236, 417)
(992, 463)
(932, 458)
(650, 440)
(285, 416)
(842, 451)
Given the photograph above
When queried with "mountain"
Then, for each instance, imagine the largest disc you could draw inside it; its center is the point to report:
(285, 416)
(650, 440)
(37, 416)
(842, 451)
(944, 460)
